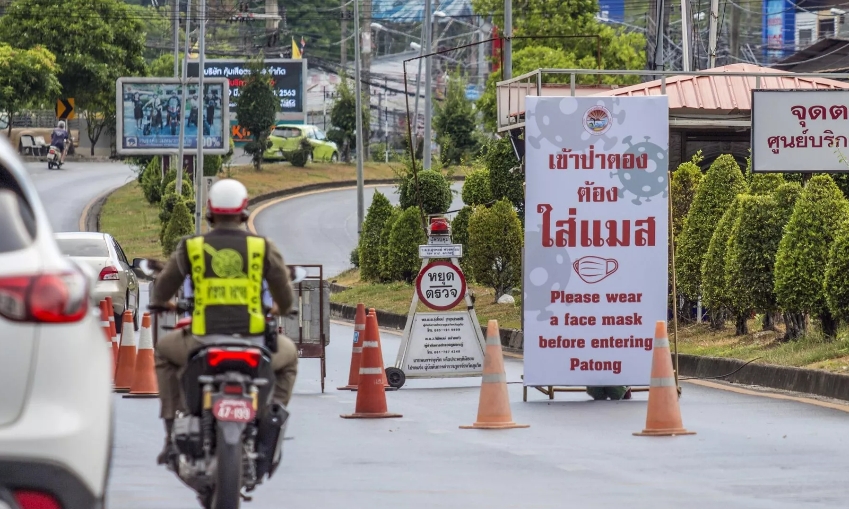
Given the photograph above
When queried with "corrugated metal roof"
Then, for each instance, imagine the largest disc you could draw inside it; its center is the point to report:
(721, 93)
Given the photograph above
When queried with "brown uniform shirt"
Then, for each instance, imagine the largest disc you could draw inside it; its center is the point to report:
(178, 267)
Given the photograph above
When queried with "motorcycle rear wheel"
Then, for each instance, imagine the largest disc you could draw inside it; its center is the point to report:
(228, 482)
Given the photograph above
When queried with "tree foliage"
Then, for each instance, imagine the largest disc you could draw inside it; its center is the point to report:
(369, 245)
(495, 247)
(403, 247)
(721, 184)
(803, 252)
(477, 188)
(386, 271)
(685, 181)
(454, 123)
(27, 78)
(344, 120)
(460, 235)
(434, 191)
(765, 183)
(258, 105)
(547, 18)
(151, 180)
(506, 178)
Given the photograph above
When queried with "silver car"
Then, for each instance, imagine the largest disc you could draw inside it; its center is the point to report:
(116, 278)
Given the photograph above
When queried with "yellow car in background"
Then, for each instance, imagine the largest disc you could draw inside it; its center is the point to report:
(286, 138)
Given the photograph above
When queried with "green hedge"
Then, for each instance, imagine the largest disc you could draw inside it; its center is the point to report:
(495, 247)
(379, 212)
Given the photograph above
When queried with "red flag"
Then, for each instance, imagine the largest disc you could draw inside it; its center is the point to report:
(303, 44)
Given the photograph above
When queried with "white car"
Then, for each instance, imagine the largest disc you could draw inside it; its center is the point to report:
(56, 422)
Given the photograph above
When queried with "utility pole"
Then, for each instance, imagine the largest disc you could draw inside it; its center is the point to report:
(685, 35)
(184, 85)
(176, 19)
(658, 36)
(428, 109)
(366, 47)
(201, 95)
(714, 19)
(344, 55)
(414, 149)
(359, 116)
(734, 33)
(507, 47)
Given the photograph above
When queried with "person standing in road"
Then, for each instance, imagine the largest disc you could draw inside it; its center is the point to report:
(222, 254)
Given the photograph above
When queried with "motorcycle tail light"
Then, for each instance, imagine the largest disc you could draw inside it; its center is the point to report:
(46, 298)
(35, 500)
(216, 356)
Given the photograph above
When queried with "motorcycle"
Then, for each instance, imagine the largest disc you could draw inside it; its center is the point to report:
(174, 119)
(54, 156)
(230, 436)
(147, 122)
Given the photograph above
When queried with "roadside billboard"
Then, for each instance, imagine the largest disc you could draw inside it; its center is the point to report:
(596, 229)
(288, 78)
(779, 29)
(800, 130)
(149, 116)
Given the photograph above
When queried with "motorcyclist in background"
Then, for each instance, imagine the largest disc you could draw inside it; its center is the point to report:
(59, 139)
(226, 257)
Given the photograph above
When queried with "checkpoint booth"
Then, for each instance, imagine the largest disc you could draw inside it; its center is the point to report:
(597, 204)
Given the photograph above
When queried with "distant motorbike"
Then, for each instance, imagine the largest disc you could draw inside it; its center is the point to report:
(231, 435)
(54, 156)
(174, 119)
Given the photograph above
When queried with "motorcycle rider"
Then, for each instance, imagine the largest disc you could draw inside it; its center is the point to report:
(59, 138)
(225, 254)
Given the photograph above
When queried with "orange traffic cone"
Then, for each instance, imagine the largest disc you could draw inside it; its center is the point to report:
(144, 378)
(356, 353)
(371, 396)
(114, 335)
(126, 355)
(386, 385)
(664, 415)
(494, 405)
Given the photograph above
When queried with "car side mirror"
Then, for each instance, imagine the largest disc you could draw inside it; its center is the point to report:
(137, 262)
(297, 274)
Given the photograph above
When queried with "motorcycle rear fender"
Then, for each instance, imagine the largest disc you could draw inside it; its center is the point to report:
(231, 431)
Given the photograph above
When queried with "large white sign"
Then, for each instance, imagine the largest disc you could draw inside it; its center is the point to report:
(596, 171)
(443, 344)
(800, 130)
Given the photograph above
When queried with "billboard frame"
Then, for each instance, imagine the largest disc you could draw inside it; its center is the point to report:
(267, 62)
(119, 119)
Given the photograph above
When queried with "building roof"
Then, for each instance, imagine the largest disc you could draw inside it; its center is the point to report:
(826, 55)
(720, 94)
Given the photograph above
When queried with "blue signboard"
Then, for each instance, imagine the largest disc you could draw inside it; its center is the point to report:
(612, 10)
(400, 11)
(473, 92)
(779, 29)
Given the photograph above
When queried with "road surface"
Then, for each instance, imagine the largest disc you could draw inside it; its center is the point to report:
(750, 451)
(66, 192)
(322, 228)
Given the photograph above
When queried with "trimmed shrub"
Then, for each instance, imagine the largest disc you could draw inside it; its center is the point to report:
(404, 240)
(369, 246)
(714, 292)
(435, 192)
(355, 257)
(476, 188)
(212, 165)
(180, 225)
(721, 184)
(385, 266)
(803, 252)
(495, 247)
(750, 256)
(837, 274)
(151, 178)
(506, 178)
(765, 183)
(685, 181)
(460, 235)
(301, 156)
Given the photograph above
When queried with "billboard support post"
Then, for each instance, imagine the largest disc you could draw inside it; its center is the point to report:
(200, 100)
(185, 83)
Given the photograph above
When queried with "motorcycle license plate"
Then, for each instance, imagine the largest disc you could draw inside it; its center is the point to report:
(233, 410)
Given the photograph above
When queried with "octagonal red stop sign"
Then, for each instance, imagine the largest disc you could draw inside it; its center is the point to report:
(441, 285)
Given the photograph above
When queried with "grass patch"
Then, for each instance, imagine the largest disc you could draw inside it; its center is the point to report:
(396, 298)
(128, 217)
(811, 351)
(133, 222)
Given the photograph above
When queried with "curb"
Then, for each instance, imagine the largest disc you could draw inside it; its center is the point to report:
(71, 159)
(91, 215)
